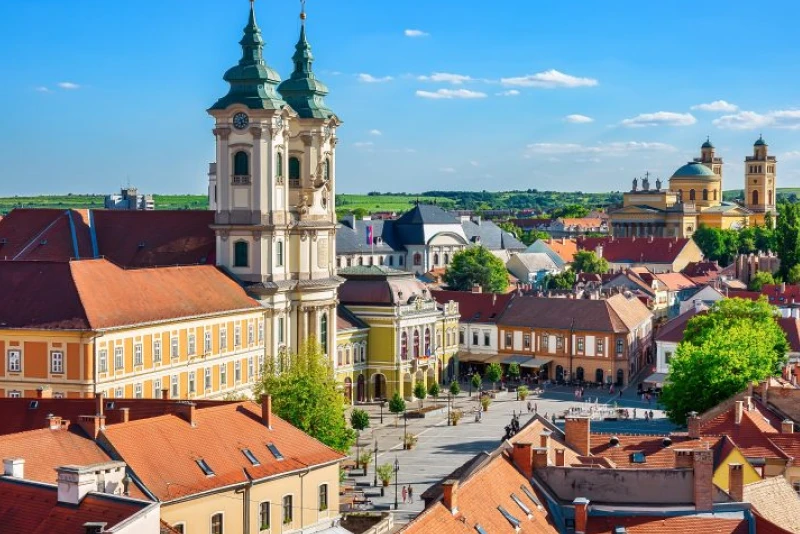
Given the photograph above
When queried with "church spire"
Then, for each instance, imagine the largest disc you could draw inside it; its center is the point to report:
(253, 82)
(303, 91)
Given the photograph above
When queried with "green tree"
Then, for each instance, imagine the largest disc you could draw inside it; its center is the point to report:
(397, 406)
(476, 381)
(570, 211)
(455, 389)
(433, 391)
(305, 394)
(769, 222)
(562, 280)
(493, 373)
(716, 244)
(586, 261)
(420, 392)
(359, 419)
(476, 266)
(359, 213)
(737, 342)
(758, 281)
(787, 236)
(514, 371)
(793, 276)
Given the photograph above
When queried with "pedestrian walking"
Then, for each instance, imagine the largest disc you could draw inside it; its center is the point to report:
(651, 415)
(405, 493)
(620, 394)
(410, 494)
(634, 413)
(536, 407)
(529, 406)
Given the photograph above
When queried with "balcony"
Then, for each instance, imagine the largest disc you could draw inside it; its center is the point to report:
(241, 179)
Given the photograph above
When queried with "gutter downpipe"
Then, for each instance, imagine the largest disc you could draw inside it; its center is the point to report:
(246, 503)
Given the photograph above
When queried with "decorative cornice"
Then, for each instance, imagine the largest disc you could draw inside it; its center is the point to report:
(222, 133)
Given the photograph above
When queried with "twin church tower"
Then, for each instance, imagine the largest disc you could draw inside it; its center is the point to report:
(272, 191)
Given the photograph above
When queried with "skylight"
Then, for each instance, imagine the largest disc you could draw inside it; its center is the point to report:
(638, 458)
(275, 452)
(532, 497)
(250, 456)
(204, 467)
(33, 405)
(521, 505)
(511, 519)
(480, 529)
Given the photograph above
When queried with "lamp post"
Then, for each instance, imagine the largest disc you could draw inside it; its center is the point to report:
(396, 469)
(405, 427)
(375, 480)
(448, 408)
(382, 403)
(358, 450)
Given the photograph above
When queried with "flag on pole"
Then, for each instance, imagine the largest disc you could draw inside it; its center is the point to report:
(369, 235)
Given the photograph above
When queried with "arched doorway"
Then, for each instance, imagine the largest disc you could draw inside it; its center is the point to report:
(559, 373)
(755, 197)
(348, 390)
(361, 390)
(579, 374)
(379, 386)
(620, 377)
(408, 386)
(598, 376)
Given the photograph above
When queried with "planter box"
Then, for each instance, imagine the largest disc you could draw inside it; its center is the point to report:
(425, 412)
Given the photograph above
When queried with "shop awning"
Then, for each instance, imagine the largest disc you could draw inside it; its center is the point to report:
(536, 362)
(515, 359)
(466, 357)
(657, 379)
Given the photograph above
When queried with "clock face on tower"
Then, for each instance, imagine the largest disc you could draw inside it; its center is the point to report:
(240, 121)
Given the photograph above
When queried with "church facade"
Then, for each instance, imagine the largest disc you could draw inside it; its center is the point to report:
(694, 197)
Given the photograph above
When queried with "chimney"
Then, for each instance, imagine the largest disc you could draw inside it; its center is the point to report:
(698, 305)
(74, 482)
(523, 459)
(783, 287)
(92, 424)
(124, 415)
(266, 410)
(14, 467)
(94, 527)
(99, 403)
(53, 422)
(44, 392)
(581, 514)
(450, 499)
(736, 482)
(540, 458)
(739, 407)
(560, 457)
(165, 394)
(576, 431)
(187, 411)
(683, 458)
(693, 422)
(544, 439)
(787, 426)
(748, 400)
(476, 288)
(703, 460)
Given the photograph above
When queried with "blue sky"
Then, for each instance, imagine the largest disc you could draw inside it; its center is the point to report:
(446, 95)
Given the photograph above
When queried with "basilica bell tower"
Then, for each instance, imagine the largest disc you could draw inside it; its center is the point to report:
(272, 191)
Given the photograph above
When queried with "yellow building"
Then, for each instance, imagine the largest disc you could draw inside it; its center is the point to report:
(410, 338)
(694, 197)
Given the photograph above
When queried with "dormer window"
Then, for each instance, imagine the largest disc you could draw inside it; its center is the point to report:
(638, 458)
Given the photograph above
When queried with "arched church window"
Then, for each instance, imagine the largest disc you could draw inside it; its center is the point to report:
(705, 194)
(404, 346)
(436, 259)
(755, 197)
(326, 169)
(279, 253)
(770, 197)
(447, 259)
(279, 165)
(691, 194)
(323, 332)
(241, 164)
(391, 261)
(240, 253)
(416, 344)
(294, 170)
(417, 259)
(361, 260)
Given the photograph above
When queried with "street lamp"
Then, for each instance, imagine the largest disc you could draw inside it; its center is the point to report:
(382, 403)
(396, 469)
(358, 450)
(448, 408)
(375, 481)
(405, 426)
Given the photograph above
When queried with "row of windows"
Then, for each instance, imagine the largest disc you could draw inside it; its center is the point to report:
(359, 354)
(382, 260)
(416, 347)
(487, 339)
(265, 513)
(241, 168)
(693, 194)
(241, 254)
(769, 197)
(14, 361)
(544, 343)
(755, 169)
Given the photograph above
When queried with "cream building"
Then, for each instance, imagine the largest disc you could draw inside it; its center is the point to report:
(694, 197)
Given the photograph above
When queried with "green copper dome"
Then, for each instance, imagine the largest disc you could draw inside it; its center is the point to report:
(302, 90)
(760, 141)
(252, 81)
(694, 170)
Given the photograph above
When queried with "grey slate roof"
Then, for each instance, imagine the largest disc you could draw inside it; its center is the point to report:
(350, 240)
(492, 236)
(427, 214)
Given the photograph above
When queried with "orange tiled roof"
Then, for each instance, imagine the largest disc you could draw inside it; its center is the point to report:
(565, 248)
(751, 435)
(477, 502)
(32, 508)
(675, 281)
(96, 294)
(788, 443)
(694, 524)
(162, 451)
(657, 456)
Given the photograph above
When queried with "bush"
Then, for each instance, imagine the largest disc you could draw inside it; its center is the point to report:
(385, 472)
(455, 389)
(397, 404)
(485, 402)
(522, 391)
(455, 416)
(359, 419)
(476, 381)
(494, 373)
(420, 392)
(514, 371)
(433, 390)
(365, 458)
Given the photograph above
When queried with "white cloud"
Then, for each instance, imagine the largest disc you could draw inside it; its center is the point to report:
(70, 86)
(42, 89)
(375, 132)
(578, 119)
(610, 149)
(660, 118)
(549, 79)
(451, 93)
(363, 144)
(788, 119)
(792, 154)
(415, 33)
(474, 163)
(446, 77)
(369, 78)
(448, 170)
(717, 105)
(510, 92)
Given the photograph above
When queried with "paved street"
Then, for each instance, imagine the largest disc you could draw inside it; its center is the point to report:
(441, 448)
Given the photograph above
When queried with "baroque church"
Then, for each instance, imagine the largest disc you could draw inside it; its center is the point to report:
(694, 197)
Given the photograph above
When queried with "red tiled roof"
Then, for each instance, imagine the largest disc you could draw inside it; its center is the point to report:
(788, 443)
(475, 307)
(672, 332)
(477, 503)
(33, 508)
(632, 249)
(675, 281)
(96, 294)
(764, 526)
(702, 272)
(583, 222)
(162, 451)
(657, 456)
(565, 248)
(791, 326)
(20, 415)
(694, 524)
(751, 435)
(127, 238)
